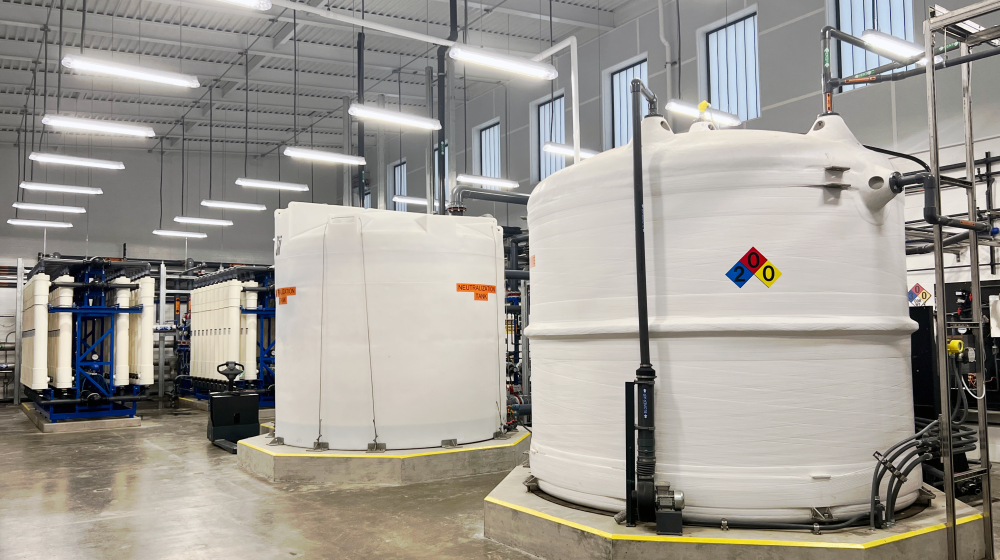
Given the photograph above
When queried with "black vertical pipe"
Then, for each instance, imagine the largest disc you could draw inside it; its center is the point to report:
(645, 375)
(442, 142)
(361, 123)
(989, 209)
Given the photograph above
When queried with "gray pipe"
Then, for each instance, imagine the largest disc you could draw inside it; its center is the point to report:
(463, 193)
(517, 275)
(928, 247)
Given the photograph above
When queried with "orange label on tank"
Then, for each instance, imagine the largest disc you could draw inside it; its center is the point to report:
(532, 261)
(482, 291)
(283, 294)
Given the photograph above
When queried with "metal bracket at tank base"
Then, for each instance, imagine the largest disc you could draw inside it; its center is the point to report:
(821, 514)
(450, 443)
(320, 446)
(376, 448)
(531, 483)
(276, 440)
(500, 434)
(527, 460)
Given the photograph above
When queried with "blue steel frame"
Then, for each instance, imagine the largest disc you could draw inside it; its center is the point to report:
(93, 322)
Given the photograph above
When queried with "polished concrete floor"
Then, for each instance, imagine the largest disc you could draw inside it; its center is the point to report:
(163, 491)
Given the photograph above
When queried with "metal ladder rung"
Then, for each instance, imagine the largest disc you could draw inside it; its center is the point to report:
(975, 473)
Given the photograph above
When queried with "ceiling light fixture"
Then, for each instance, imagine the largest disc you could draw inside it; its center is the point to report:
(66, 189)
(94, 125)
(202, 221)
(261, 5)
(185, 234)
(260, 184)
(93, 65)
(366, 113)
(319, 155)
(720, 118)
(503, 61)
(49, 208)
(38, 223)
(411, 200)
(489, 181)
(566, 150)
(59, 159)
(233, 205)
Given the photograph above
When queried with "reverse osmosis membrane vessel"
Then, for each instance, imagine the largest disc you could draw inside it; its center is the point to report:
(777, 314)
(389, 328)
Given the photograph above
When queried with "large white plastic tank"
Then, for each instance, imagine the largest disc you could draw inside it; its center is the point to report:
(389, 327)
(770, 397)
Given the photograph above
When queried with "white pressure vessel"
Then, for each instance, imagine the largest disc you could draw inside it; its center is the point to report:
(34, 333)
(778, 376)
(389, 328)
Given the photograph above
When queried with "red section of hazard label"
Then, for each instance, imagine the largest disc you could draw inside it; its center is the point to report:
(482, 291)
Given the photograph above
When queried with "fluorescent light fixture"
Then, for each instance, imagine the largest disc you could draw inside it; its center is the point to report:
(487, 181)
(186, 234)
(38, 223)
(411, 200)
(261, 5)
(60, 159)
(720, 118)
(257, 183)
(319, 155)
(503, 61)
(233, 205)
(66, 189)
(91, 65)
(49, 208)
(894, 48)
(566, 150)
(366, 113)
(94, 125)
(202, 221)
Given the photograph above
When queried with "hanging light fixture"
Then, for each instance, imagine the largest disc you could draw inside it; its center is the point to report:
(566, 150)
(49, 208)
(326, 157)
(91, 65)
(59, 159)
(233, 205)
(365, 113)
(411, 200)
(687, 109)
(94, 125)
(185, 234)
(894, 48)
(202, 221)
(66, 189)
(488, 181)
(38, 223)
(261, 5)
(503, 61)
(276, 185)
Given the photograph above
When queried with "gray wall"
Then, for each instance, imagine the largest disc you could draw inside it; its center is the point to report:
(887, 115)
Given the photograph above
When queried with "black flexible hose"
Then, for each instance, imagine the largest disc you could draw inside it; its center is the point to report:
(793, 526)
(894, 493)
(918, 161)
(877, 475)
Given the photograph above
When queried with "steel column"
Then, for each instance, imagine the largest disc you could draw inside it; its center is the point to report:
(18, 307)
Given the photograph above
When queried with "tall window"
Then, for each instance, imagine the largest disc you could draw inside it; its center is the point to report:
(894, 17)
(551, 128)
(437, 179)
(489, 151)
(399, 185)
(733, 76)
(621, 101)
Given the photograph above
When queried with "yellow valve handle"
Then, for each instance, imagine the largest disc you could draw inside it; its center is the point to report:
(955, 346)
(703, 106)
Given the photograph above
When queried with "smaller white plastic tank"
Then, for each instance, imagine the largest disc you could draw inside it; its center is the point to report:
(389, 328)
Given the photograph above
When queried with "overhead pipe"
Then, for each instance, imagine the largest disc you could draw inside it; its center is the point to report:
(517, 275)
(442, 77)
(574, 84)
(361, 122)
(366, 24)
(667, 53)
(461, 193)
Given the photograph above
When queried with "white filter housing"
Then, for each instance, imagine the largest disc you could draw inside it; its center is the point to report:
(60, 340)
(141, 331)
(389, 327)
(771, 397)
(35, 333)
(220, 331)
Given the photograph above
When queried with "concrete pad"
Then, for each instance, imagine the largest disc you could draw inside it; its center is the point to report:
(68, 426)
(525, 521)
(266, 427)
(283, 463)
